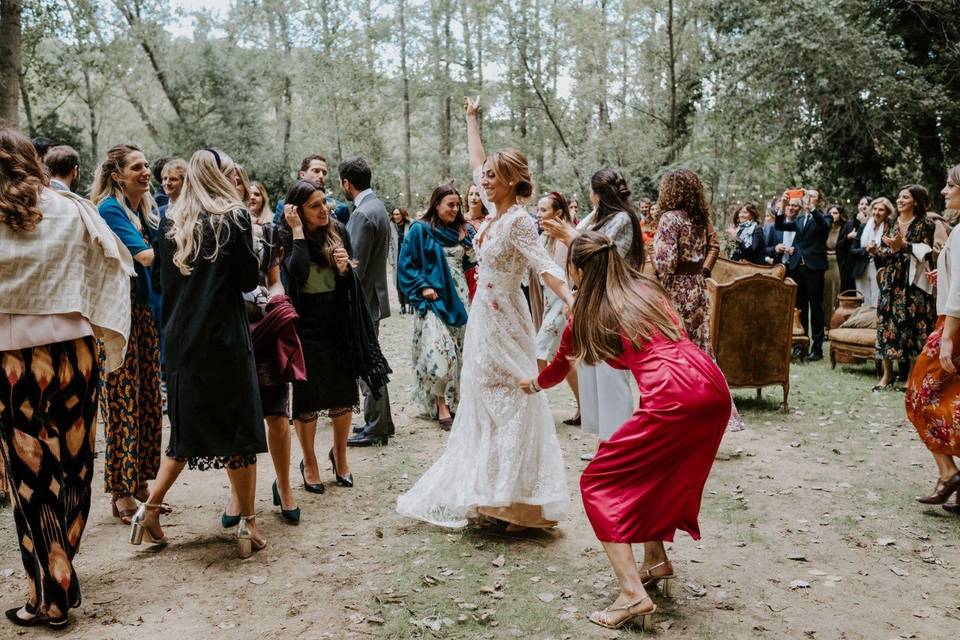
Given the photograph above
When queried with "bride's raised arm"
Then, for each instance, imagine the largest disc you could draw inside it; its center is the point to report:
(474, 144)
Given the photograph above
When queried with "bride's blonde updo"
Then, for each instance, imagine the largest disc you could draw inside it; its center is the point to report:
(510, 166)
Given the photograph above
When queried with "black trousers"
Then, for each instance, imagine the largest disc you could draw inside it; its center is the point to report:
(810, 304)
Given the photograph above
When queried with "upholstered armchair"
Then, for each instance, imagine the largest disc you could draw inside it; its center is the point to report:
(751, 330)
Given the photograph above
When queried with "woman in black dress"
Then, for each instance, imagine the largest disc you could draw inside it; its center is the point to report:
(335, 330)
(207, 261)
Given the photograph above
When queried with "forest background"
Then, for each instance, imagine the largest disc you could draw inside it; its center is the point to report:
(855, 96)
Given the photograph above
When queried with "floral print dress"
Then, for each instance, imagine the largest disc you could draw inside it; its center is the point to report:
(678, 241)
(906, 314)
(438, 347)
(933, 395)
(554, 319)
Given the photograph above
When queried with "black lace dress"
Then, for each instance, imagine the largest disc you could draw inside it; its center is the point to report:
(215, 415)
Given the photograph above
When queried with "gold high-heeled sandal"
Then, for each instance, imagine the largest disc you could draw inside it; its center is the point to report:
(137, 529)
(650, 581)
(647, 616)
(246, 545)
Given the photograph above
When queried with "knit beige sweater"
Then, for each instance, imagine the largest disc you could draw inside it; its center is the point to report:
(71, 263)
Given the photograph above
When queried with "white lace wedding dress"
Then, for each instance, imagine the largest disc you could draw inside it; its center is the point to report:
(503, 458)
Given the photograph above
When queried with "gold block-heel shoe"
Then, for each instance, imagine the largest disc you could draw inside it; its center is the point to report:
(651, 581)
(246, 545)
(599, 617)
(137, 529)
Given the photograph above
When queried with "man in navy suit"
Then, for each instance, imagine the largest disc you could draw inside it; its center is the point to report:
(803, 248)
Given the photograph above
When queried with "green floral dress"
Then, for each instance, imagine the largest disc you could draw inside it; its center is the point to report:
(906, 314)
(438, 348)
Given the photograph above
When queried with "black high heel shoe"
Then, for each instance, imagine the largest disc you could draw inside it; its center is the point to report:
(311, 488)
(291, 515)
(343, 481)
(24, 622)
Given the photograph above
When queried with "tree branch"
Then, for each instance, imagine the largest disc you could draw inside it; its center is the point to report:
(546, 108)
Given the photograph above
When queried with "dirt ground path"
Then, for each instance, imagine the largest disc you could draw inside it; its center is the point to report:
(809, 531)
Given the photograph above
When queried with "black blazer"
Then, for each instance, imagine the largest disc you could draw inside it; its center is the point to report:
(774, 237)
(755, 253)
(811, 240)
(859, 258)
(844, 244)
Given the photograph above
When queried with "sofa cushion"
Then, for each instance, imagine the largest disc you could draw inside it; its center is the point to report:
(860, 337)
(862, 318)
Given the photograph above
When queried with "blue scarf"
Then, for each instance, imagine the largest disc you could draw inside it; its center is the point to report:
(423, 264)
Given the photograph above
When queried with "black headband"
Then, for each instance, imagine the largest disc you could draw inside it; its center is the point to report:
(216, 156)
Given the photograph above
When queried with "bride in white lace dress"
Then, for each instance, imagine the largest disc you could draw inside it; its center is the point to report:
(503, 459)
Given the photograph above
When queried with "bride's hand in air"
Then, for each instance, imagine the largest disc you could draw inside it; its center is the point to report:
(471, 106)
(527, 386)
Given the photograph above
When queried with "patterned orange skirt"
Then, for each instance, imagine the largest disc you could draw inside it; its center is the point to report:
(933, 399)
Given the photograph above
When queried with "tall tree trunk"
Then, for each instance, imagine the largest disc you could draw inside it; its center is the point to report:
(328, 34)
(368, 35)
(287, 122)
(538, 51)
(27, 106)
(446, 114)
(407, 169)
(92, 114)
(672, 72)
(468, 68)
(10, 49)
(520, 85)
(601, 68)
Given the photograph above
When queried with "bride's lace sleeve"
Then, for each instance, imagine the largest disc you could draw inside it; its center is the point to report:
(523, 235)
(477, 176)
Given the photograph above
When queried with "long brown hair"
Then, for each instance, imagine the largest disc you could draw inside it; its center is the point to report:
(432, 214)
(614, 300)
(21, 180)
(321, 242)
(613, 195)
(682, 190)
(921, 197)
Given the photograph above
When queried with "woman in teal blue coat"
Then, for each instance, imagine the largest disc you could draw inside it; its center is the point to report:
(435, 252)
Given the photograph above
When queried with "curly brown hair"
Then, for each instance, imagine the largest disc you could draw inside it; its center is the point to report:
(21, 180)
(682, 190)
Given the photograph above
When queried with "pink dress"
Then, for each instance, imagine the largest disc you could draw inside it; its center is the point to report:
(647, 480)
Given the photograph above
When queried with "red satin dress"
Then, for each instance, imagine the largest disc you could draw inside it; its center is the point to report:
(647, 480)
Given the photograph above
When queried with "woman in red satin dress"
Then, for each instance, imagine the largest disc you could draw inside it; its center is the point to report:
(647, 480)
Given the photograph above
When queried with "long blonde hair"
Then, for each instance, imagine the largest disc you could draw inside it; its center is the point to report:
(105, 185)
(207, 199)
(613, 301)
(265, 214)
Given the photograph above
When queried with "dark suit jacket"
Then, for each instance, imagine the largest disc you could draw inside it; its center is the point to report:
(369, 229)
(859, 258)
(755, 252)
(844, 245)
(774, 237)
(811, 240)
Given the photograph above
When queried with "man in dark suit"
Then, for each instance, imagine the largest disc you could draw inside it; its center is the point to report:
(369, 229)
(803, 248)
